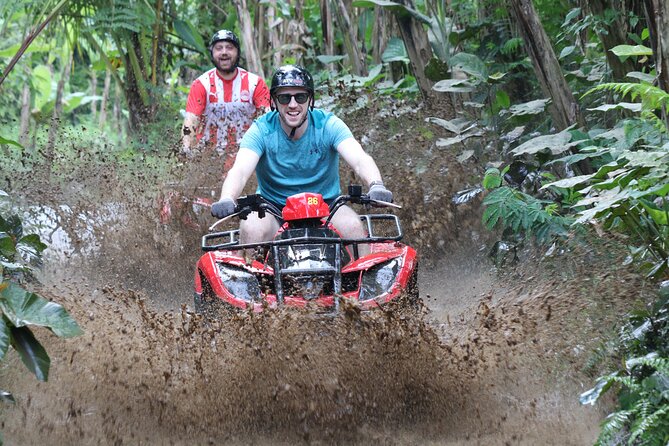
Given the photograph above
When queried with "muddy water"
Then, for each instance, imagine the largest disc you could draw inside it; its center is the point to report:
(149, 371)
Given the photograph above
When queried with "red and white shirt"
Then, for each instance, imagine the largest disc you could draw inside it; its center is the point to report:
(226, 107)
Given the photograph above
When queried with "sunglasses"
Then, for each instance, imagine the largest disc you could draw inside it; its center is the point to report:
(284, 98)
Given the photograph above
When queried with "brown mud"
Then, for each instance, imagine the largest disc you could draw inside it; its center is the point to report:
(495, 357)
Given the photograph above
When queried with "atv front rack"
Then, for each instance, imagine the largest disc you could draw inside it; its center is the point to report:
(229, 240)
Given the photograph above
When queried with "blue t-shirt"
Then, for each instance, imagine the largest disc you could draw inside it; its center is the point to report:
(309, 164)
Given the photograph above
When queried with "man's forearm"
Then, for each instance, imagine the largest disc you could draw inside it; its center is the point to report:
(232, 186)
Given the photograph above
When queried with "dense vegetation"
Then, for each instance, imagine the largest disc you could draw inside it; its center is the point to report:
(566, 100)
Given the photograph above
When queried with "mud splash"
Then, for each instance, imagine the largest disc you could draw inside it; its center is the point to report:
(140, 376)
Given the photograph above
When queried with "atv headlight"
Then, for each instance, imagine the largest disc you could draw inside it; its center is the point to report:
(240, 283)
(379, 279)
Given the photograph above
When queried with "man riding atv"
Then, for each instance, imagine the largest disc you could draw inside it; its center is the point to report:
(296, 148)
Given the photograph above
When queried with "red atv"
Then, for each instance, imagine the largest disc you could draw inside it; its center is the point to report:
(308, 262)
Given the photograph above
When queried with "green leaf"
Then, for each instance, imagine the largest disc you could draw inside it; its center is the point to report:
(12, 225)
(31, 352)
(495, 77)
(374, 74)
(189, 34)
(529, 108)
(454, 86)
(22, 308)
(9, 141)
(324, 59)
(457, 125)
(566, 51)
(631, 50)
(502, 99)
(643, 77)
(7, 246)
(470, 64)
(5, 336)
(395, 52)
(33, 48)
(571, 15)
(659, 216)
(492, 179)
(569, 182)
(395, 7)
(31, 244)
(557, 143)
(631, 106)
(41, 81)
(446, 142)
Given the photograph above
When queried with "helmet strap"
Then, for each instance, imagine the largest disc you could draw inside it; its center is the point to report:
(294, 129)
(292, 132)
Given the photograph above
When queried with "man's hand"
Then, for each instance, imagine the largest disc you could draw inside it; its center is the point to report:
(378, 192)
(223, 208)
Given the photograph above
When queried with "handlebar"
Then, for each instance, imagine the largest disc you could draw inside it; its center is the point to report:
(257, 203)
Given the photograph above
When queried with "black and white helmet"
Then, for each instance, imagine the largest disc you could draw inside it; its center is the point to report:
(224, 35)
(293, 76)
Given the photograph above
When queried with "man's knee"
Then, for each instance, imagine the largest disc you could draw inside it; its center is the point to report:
(255, 229)
(348, 223)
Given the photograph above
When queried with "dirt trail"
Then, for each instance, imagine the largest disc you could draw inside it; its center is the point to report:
(493, 360)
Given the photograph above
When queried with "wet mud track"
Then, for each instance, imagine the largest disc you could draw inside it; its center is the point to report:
(472, 368)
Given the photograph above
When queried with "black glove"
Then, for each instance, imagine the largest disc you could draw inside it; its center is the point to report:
(378, 192)
(223, 208)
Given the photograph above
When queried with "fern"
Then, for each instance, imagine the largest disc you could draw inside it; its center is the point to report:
(127, 15)
(649, 428)
(511, 45)
(653, 98)
(648, 417)
(511, 209)
(612, 426)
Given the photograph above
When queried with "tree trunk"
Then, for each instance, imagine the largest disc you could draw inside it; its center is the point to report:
(250, 46)
(261, 26)
(380, 33)
(611, 35)
(419, 49)
(564, 109)
(94, 91)
(355, 56)
(142, 107)
(156, 46)
(103, 103)
(116, 111)
(327, 26)
(296, 32)
(58, 107)
(24, 127)
(657, 14)
(274, 41)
